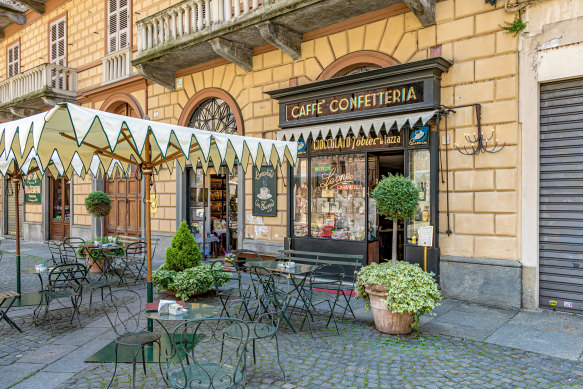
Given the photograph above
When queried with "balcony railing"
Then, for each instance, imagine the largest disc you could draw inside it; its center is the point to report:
(117, 66)
(36, 89)
(189, 17)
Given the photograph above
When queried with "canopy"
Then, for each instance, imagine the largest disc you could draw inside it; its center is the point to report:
(87, 140)
(367, 125)
(70, 138)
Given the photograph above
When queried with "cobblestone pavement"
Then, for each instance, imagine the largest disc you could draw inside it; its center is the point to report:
(357, 357)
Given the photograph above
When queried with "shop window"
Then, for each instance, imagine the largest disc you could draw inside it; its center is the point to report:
(301, 198)
(419, 172)
(338, 187)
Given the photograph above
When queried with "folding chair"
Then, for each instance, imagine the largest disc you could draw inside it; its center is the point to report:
(4, 313)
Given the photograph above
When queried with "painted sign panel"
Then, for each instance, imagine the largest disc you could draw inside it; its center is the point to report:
(419, 136)
(32, 189)
(355, 102)
(352, 143)
(264, 191)
(426, 236)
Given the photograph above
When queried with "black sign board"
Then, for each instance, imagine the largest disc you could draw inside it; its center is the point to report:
(32, 189)
(264, 191)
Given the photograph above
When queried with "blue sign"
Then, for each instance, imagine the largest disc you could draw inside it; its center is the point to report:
(419, 136)
(301, 145)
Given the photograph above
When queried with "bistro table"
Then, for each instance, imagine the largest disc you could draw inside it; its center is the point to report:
(35, 298)
(298, 275)
(104, 263)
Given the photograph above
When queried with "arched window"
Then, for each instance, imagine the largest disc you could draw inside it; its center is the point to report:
(214, 115)
(361, 68)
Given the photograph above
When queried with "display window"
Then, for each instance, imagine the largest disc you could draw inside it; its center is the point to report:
(419, 172)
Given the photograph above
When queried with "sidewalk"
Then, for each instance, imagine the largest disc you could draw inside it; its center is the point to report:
(39, 359)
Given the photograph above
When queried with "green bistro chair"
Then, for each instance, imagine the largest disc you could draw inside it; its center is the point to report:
(123, 311)
(328, 277)
(55, 250)
(64, 282)
(213, 357)
(233, 290)
(134, 261)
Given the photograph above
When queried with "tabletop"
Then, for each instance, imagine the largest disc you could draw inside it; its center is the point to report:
(93, 246)
(299, 268)
(195, 311)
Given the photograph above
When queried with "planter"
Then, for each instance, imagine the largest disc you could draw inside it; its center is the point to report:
(95, 266)
(189, 297)
(384, 319)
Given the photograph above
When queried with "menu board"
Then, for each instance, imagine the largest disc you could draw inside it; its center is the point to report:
(32, 189)
(264, 191)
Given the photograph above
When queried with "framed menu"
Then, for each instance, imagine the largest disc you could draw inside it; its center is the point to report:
(264, 191)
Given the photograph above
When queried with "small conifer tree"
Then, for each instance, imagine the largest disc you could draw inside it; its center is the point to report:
(183, 253)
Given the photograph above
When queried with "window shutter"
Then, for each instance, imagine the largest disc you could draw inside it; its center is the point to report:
(13, 64)
(118, 29)
(59, 43)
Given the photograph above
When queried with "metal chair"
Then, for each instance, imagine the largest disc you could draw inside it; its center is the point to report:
(126, 324)
(64, 281)
(328, 277)
(230, 292)
(214, 358)
(68, 254)
(74, 242)
(55, 250)
(133, 262)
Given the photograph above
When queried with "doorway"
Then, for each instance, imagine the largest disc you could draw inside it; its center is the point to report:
(387, 163)
(59, 208)
(11, 208)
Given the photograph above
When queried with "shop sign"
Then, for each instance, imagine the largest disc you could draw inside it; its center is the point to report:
(32, 189)
(355, 102)
(264, 191)
(426, 236)
(419, 136)
(352, 143)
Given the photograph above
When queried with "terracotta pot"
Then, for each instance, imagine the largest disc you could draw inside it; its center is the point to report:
(385, 320)
(95, 266)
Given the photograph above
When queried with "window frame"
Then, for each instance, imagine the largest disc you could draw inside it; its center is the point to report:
(16, 62)
(61, 18)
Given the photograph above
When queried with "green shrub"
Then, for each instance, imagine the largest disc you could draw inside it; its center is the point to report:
(409, 288)
(190, 281)
(97, 254)
(98, 204)
(183, 253)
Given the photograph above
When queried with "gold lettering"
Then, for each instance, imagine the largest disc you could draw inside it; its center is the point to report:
(319, 107)
(367, 100)
(343, 105)
(396, 96)
(352, 102)
(332, 106)
(303, 110)
(411, 94)
(331, 179)
(295, 115)
(388, 97)
(360, 100)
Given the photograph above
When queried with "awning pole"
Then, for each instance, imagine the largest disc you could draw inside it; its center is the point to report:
(147, 170)
(16, 181)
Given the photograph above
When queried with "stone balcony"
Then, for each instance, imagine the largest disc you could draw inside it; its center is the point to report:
(117, 66)
(197, 31)
(36, 89)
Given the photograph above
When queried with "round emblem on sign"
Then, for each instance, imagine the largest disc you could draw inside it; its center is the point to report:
(301, 145)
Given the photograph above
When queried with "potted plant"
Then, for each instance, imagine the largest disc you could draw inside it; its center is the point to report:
(230, 258)
(98, 204)
(95, 257)
(397, 198)
(399, 294)
(182, 274)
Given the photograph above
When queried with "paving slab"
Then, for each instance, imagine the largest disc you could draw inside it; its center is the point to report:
(43, 380)
(457, 330)
(555, 344)
(475, 320)
(486, 311)
(81, 336)
(74, 362)
(11, 374)
(550, 321)
(47, 354)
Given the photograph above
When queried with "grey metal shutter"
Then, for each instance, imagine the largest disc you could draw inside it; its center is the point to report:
(12, 212)
(561, 195)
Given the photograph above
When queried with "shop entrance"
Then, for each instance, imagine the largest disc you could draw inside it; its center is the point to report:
(60, 212)
(379, 165)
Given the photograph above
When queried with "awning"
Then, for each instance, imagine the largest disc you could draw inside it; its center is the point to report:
(367, 125)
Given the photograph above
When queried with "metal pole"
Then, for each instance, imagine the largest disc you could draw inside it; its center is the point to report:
(16, 181)
(147, 170)
(425, 258)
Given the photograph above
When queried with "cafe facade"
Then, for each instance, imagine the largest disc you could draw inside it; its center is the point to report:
(363, 92)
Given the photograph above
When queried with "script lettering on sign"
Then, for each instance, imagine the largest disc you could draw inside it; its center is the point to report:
(352, 143)
(332, 180)
(264, 191)
(355, 102)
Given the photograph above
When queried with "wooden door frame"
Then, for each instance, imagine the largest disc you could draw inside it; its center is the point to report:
(64, 181)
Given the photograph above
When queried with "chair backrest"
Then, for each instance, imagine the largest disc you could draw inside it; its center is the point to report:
(74, 242)
(328, 274)
(123, 311)
(67, 276)
(137, 249)
(68, 254)
(223, 275)
(55, 251)
(267, 284)
(255, 256)
(216, 346)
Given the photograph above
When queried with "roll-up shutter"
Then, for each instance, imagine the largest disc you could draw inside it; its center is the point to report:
(12, 211)
(561, 195)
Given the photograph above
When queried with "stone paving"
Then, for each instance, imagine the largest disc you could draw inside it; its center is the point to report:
(357, 357)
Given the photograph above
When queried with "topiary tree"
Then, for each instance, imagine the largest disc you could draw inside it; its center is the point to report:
(397, 199)
(183, 253)
(98, 204)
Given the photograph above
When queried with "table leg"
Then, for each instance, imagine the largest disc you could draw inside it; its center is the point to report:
(4, 314)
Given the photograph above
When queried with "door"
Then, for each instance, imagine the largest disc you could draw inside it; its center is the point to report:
(561, 196)
(59, 209)
(9, 197)
(125, 194)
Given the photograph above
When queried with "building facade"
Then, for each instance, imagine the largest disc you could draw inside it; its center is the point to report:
(361, 86)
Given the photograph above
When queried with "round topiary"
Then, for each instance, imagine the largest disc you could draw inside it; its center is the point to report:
(183, 253)
(98, 204)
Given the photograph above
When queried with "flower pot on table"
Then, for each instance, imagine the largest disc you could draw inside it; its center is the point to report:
(387, 321)
(96, 265)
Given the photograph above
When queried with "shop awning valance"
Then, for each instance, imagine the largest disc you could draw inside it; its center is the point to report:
(85, 140)
(369, 126)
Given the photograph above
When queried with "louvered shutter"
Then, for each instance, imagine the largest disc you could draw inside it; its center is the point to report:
(59, 42)
(13, 60)
(118, 29)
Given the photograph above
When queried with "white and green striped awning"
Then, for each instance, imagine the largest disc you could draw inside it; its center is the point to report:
(369, 126)
(73, 139)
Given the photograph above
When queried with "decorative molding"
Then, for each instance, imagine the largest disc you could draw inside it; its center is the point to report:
(288, 41)
(424, 10)
(237, 53)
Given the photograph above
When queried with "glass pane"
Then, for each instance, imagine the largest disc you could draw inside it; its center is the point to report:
(373, 180)
(196, 200)
(67, 194)
(338, 197)
(419, 165)
(233, 207)
(57, 200)
(301, 198)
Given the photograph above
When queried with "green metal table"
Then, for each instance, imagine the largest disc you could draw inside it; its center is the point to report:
(295, 274)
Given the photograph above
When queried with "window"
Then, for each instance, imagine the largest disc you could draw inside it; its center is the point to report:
(338, 187)
(117, 25)
(58, 43)
(214, 115)
(13, 57)
(301, 198)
